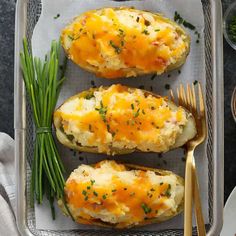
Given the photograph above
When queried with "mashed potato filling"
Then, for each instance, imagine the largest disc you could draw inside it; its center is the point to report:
(122, 118)
(111, 193)
(116, 40)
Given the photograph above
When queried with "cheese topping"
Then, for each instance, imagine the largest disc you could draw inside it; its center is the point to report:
(112, 41)
(121, 118)
(113, 194)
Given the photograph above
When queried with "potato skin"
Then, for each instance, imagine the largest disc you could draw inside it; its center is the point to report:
(97, 222)
(128, 56)
(115, 151)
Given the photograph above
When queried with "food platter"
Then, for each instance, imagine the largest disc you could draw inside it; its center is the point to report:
(27, 16)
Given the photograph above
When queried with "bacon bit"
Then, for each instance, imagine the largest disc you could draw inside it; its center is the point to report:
(156, 43)
(161, 61)
(84, 20)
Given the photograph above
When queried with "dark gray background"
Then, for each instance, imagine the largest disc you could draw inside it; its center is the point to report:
(7, 20)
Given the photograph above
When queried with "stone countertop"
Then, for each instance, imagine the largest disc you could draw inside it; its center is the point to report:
(7, 15)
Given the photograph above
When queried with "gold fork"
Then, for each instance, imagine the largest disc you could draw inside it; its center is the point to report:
(188, 99)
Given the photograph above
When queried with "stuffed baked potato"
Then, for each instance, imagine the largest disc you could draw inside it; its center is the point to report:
(122, 196)
(120, 120)
(125, 42)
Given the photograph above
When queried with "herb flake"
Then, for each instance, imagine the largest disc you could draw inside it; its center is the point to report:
(146, 209)
(117, 48)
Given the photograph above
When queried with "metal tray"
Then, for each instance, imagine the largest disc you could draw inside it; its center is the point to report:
(27, 13)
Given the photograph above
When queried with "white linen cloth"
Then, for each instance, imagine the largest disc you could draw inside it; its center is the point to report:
(7, 187)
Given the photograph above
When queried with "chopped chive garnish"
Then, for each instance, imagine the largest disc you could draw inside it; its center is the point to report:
(153, 77)
(88, 187)
(84, 192)
(95, 193)
(92, 181)
(160, 155)
(121, 32)
(102, 111)
(167, 86)
(180, 20)
(188, 25)
(168, 191)
(146, 209)
(132, 106)
(104, 196)
(136, 114)
(57, 16)
(145, 32)
(117, 49)
(89, 96)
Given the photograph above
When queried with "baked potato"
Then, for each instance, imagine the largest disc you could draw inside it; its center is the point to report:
(125, 42)
(122, 196)
(120, 120)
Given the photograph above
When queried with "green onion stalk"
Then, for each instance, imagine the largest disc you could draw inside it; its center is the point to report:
(43, 80)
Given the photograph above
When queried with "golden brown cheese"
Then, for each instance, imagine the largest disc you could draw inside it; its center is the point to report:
(111, 193)
(124, 42)
(122, 118)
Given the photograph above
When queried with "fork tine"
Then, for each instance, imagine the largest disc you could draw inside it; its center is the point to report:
(172, 97)
(179, 97)
(183, 93)
(189, 98)
(201, 101)
(194, 103)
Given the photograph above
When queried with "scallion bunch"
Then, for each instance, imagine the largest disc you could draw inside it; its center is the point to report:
(43, 80)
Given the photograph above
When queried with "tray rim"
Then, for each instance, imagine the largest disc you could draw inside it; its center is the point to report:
(218, 120)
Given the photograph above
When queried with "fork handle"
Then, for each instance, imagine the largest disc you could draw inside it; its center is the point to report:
(197, 204)
(188, 195)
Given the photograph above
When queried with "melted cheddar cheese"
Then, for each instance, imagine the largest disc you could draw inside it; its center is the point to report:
(111, 193)
(123, 42)
(121, 118)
